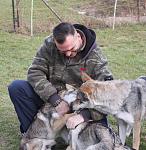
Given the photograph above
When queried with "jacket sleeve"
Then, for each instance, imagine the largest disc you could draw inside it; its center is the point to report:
(38, 73)
(99, 63)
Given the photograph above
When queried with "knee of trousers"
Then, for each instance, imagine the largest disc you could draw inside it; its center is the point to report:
(15, 87)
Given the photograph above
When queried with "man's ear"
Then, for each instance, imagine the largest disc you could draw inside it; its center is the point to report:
(70, 87)
(85, 77)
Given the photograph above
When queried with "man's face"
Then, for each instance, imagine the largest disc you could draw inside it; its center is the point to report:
(70, 46)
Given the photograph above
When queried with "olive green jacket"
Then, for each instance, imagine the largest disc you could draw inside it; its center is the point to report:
(51, 70)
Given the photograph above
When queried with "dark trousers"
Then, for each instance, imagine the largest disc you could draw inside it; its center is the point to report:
(25, 101)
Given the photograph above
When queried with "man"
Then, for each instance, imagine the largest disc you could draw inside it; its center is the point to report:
(59, 60)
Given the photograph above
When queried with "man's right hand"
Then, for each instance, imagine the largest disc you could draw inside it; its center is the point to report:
(62, 108)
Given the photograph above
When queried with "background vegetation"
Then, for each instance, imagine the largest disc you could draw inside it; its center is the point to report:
(93, 13)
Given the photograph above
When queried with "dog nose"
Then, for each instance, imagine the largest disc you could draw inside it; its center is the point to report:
(80, 95)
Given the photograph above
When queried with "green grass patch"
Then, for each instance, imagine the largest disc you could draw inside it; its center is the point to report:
(124, 47)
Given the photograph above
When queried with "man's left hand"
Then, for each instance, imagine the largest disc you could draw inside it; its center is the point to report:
(73, 121)
(62, 108)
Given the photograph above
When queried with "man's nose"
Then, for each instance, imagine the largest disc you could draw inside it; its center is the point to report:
(68, 53)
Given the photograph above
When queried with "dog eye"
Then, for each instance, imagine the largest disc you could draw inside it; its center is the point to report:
(85, 98)
(81, 96)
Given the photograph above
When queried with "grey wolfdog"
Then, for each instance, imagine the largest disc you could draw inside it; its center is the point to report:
(124, 99)
(47, 126)
(44, 129)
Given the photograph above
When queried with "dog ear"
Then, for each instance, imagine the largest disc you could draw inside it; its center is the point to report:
(85, 77)
(87, 89)
(70, 87)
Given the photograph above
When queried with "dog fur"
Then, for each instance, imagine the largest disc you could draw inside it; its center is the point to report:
(94, 136)
(47, 125)
(126, 100)
(44, 129)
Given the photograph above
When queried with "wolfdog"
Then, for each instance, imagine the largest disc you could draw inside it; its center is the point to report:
(126, 100)
(94, 136)
(44, 129)
(47, 126)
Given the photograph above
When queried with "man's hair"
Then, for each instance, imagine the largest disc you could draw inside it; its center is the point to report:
(62, 30)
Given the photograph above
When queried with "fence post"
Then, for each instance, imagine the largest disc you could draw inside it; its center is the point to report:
(115, 7)
(17, 12)
(31, 19)
(138, 10)
(14, 19)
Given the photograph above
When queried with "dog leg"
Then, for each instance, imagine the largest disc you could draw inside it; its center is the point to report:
(47, 144)
(39, 144)
(136, 131)
(34, 144)
(74, 133)
(126, 117)
(129, 128)
(122, 130)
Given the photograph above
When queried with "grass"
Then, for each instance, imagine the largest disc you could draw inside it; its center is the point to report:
(125, 48)
(15, 55)
(44, 19)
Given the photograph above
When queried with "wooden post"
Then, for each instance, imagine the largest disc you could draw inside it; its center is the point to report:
(138, 10)
(144, 4)
(31, 19)
(115, 7)
(14, 19)
(17, 12)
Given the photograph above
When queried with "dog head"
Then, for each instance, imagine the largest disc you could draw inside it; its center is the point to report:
(70, 94)
(85, 92)
(47, 110)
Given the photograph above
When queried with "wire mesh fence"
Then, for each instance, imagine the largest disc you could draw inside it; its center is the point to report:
(16, 15)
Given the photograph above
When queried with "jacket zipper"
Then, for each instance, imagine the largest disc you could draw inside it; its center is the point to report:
(66, 65)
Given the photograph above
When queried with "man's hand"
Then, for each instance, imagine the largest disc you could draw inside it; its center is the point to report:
(62, 108)
(73, 121)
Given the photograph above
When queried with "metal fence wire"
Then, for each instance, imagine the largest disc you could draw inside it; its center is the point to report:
(16, 15)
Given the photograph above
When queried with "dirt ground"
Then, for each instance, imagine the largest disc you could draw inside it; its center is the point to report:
(104, 11)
